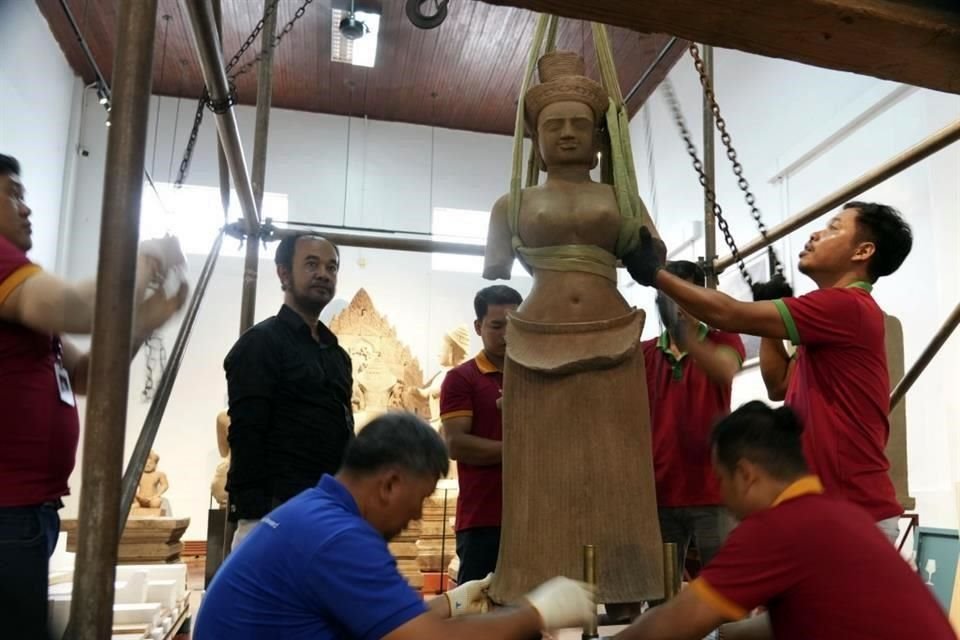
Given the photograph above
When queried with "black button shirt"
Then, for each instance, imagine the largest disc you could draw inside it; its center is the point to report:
(290, 412)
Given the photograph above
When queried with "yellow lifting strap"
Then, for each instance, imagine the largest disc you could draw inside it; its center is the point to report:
(617, 164)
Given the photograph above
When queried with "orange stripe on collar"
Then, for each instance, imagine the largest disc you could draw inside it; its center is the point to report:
(484, 364)
(807, 485)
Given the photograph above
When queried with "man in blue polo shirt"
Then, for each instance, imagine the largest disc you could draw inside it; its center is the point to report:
(321, 568)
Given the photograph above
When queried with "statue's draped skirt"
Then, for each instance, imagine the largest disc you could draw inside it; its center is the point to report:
(577, 460)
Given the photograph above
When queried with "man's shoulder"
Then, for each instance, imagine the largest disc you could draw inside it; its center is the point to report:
(466, 369)
(651, 345)
(257, 339)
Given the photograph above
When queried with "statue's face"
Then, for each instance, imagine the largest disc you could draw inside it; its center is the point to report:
(567, 134)
(446, 354)
(151, 464)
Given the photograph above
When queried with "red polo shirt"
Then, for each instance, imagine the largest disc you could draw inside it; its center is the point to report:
(684, 404)
(38, 431)
(823, 570)
(471, 390)
(840, 389)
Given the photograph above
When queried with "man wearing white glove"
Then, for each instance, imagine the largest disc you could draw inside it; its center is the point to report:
(321, 567)
(40, 371)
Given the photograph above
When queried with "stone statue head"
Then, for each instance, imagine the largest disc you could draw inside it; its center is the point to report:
(565, 111)
(456, 343)
(151, 464)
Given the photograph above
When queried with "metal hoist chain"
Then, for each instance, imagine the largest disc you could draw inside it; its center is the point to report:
(231, 99)
(742, 183)
(711, 196)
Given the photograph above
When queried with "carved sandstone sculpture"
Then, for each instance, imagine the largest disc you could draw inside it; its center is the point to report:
(385, 373)
(218, 487)
(577, 455)
(153, 484)
(453, 351)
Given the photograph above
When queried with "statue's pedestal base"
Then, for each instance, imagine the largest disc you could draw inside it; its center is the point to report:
(145, 512)
(144, 540)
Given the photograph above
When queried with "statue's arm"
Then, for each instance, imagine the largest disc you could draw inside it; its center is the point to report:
(162, 484)
(498, 258)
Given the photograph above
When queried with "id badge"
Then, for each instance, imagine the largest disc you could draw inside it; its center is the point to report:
(63, 384)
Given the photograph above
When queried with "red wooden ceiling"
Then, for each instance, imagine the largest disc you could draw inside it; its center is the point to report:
(473, 62)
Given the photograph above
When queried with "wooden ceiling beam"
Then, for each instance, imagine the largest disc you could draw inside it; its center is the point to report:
(916, 42)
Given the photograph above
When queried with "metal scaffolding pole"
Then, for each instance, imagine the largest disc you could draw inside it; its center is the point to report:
(927, 147)
(925, 358)
(416, 245)
(222, 166)
(204, 30)
(248, 301)
(668, 49)
(91, 616)
(709, 156)
(151, 424)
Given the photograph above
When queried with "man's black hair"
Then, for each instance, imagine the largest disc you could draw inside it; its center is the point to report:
(397, 439)
(690, 271)
(288, 246)
(888, 231)
(9, 165)
(494, 295)
(767, 437)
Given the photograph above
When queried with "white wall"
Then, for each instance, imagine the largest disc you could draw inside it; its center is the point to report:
(839, 125)
(388, 186)
(36, 97)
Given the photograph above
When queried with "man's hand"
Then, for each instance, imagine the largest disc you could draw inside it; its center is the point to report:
(157, 309)
(774, 289)
(470, 597)
(649, 257)
(562, 603)
(165, 253)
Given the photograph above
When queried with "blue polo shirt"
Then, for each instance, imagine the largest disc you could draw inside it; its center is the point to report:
(313, 568)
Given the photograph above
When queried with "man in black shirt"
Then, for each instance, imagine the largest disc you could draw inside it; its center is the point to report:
(289, 384)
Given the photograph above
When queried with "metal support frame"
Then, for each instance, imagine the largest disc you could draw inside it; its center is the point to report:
(590, 577)
(251, 264)
(904, 160)
(709, 170)
(91, 616)
(222, 166)
(151, 424)
(392, 243)
(207, 43)
(939, 339)
(672, 44)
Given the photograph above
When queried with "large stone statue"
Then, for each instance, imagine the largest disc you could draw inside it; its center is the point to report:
(153, 484)
(577, 455)
(456, 344)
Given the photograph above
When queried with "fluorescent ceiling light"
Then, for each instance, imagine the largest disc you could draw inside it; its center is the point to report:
(361, 52)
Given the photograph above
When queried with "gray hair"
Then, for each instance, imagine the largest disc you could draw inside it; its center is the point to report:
(397, 439)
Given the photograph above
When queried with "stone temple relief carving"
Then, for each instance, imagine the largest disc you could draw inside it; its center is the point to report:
(385, 373)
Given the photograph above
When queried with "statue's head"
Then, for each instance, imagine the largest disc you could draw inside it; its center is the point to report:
(152, 461)
(565, 111)
(456, 343)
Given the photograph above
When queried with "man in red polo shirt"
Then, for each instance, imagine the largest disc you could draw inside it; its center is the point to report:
(471, 425)
(690, 370)
(839, 384)
(39, 373)
(816, 562)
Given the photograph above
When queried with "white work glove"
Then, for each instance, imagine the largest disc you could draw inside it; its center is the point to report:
(469, 598)
(562, 603)
(166, 251)
(168, 262)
